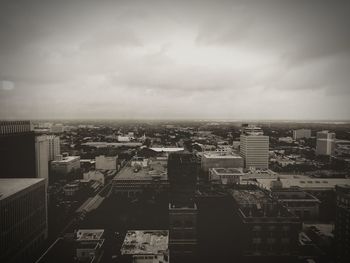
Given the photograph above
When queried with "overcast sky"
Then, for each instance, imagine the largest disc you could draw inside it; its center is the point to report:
(175, 59)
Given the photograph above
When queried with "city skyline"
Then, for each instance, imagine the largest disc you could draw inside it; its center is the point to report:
(262, 60)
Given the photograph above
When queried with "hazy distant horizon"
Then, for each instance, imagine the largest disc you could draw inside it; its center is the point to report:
(249, 60)
(56, 120)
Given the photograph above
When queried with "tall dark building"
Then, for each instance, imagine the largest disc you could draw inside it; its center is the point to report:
(342, 223)
(182, 175)
(17, 150)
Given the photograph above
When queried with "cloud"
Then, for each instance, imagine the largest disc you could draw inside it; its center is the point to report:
(159, 59)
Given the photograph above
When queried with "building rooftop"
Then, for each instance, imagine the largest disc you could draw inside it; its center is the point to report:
(294, 195)
(156, 169)
(112, 144)
(167, 149)
(89, 234)
(220, 155)
(227, 171)
(145, 242)
(10, 186)
(66, 159)
(258, 203)
(250, 197)
(308, 183)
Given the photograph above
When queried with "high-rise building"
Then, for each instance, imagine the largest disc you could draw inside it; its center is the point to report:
(342, 223)
(182, 174)
(325, 143)
(301, 133)
(17, 150)
(254, 148)
(42, 157)
(23, 217)
(54, 146)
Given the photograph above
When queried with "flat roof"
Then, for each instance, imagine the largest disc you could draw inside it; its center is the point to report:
(227, 170)
(145, 242)
(220, 155)
(167, 149)
(89, 234)
(112, 144)
(155, 168)
(258, 203)
(249, 197)
(10, 186)
(310, 183)
(66, 159)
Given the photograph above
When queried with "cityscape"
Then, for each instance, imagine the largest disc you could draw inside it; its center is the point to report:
(161, 191)
(167, 131)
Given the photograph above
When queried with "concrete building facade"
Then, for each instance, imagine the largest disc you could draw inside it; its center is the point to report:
(301, 134)
(325, 143)
(17, 150)
(342, 223)
(254, 148)
(268, 229)
(54, 146)
(23, 217)
(64, 164)
(42, 157)
(220, 160)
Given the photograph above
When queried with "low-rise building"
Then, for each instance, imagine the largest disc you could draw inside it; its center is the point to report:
(220, 160)
(225, 175)
(64, 164)
(71, 189)
(301, 134)
(89, 243)
(146, 246)
(131, 181)
(106, 162)
(300, 203)
(267, 228)
(95, 176)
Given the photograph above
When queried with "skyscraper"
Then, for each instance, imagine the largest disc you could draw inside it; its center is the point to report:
(325, 143)
(17, 150)
(182, 175)
(42, 157)
(54, 146)
(254, 148)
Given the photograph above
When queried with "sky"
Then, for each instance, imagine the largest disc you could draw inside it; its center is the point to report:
(175, 59)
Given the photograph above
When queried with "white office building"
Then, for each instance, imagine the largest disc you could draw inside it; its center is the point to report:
(42, 157)
(325, 143)
(254, 148)
(54, 146)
